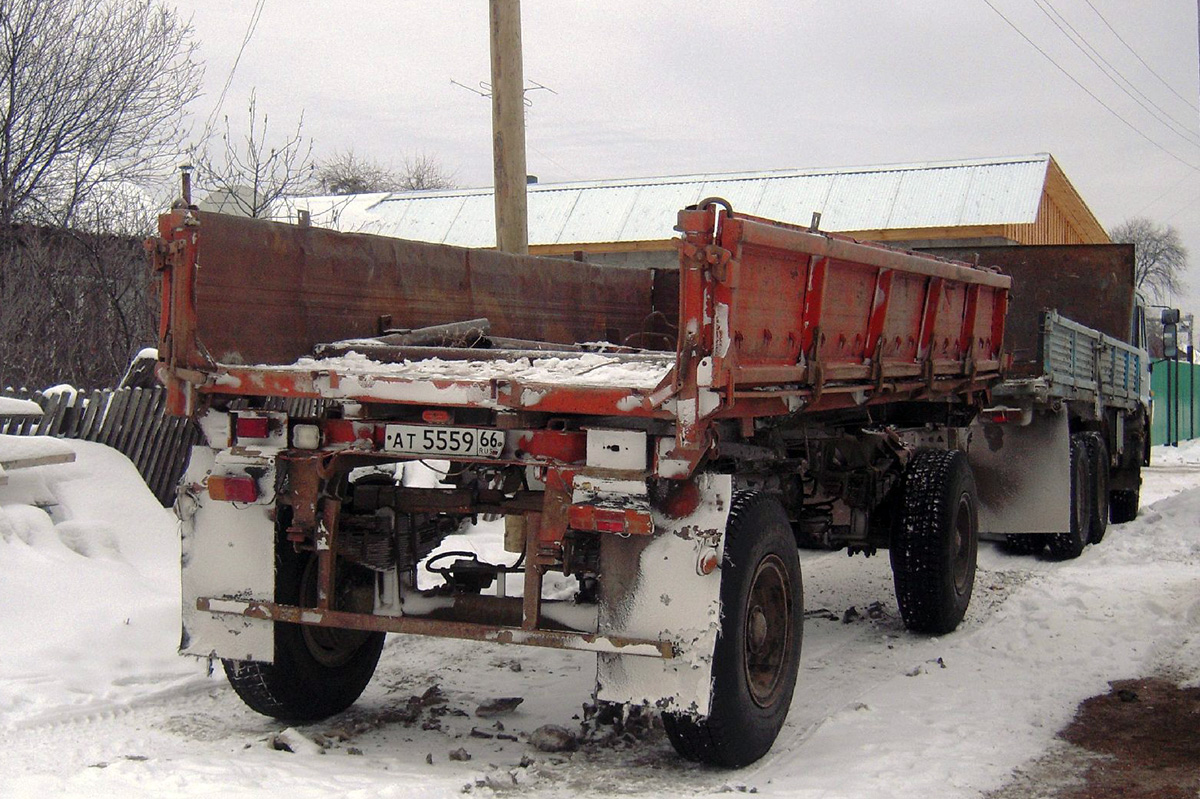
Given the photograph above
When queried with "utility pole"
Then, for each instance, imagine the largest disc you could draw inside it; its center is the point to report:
(508, 126)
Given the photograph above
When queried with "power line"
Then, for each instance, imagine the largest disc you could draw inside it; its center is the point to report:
(1168, 190)
(1128, 47)
(1181, 129)
(251, 27)
(1182, 208)
(1086, 90)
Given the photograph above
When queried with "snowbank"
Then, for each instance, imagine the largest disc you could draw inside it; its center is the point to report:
(94, 701)
(89, 584)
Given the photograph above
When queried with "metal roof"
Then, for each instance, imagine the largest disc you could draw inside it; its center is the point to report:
(993, 191)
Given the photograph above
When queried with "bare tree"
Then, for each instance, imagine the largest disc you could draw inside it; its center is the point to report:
(348, 173)
(1160, 257)
(251, 171)
(423, 172)
(75, 306)
(92, 94)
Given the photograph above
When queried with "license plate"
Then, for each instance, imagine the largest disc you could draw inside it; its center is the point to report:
(466, 442)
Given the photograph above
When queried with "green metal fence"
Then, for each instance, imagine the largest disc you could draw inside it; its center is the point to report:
(1176, 411)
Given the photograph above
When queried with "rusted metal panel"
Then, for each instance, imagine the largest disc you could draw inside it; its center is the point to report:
(266, 293)
(814, 320)
(764, 303)
(852, 311)
(365, 386)
(1091, 284)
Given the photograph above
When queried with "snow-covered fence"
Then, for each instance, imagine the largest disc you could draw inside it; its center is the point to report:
(133, 421)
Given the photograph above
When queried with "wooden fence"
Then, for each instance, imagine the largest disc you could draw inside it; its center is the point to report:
(133, 421)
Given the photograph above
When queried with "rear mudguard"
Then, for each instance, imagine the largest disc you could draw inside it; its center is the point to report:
(228, 551)
(1023, 475)
(653, 587)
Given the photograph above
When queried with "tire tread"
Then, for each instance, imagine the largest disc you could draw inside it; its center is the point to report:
(918, 546)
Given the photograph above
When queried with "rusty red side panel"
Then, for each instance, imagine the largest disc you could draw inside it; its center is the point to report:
(780, 304)
(769, 309)
(248, 291)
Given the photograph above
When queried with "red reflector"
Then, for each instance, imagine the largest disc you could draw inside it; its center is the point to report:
(629, 521)
(1001, 415)
(682, 501)
(233, 489)
(707, 563)
(253, 427)
(435, 417)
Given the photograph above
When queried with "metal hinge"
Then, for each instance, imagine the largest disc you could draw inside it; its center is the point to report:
(164, 254)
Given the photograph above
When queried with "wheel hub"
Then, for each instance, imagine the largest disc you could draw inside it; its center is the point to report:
(758, 629)
(962, 555)
(768, 624)
(330, 646)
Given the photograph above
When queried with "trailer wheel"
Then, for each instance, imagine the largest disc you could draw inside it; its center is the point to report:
(318, 671)
(1097, 452)
(757, 653)
(1068, 545)
(935, 542)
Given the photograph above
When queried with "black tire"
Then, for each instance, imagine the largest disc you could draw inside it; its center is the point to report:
(757, 653)
(1068, 545)
(1025, 543)
(935, 541)
(1098, 464)
(318, 671)
(1123, 504)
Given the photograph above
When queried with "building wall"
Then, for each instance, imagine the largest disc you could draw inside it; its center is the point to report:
(1053, 226)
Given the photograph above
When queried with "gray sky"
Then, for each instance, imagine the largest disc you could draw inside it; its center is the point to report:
(661, 88)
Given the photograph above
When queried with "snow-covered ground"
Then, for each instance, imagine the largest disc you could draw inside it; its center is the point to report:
(95, 702)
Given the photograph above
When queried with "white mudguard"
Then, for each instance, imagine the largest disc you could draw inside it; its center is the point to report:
(1023, 475)
(228, 552)
(652, 588)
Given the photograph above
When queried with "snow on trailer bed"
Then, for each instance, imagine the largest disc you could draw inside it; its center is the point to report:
(549, 380)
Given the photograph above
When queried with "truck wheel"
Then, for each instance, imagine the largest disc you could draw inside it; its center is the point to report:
(935, 542)
(1123, 504)
(1025, 543)
(1068, 545)
(757, 652)
(1097, 452)
(318, 671)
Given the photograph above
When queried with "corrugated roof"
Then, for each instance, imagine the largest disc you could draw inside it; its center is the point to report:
(994, 191)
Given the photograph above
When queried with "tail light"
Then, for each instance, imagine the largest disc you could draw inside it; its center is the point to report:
(233, 488)
(252, 427)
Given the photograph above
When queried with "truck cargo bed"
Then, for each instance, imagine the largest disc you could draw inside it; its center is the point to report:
(770, 319)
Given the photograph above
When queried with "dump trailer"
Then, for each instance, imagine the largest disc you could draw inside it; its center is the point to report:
(664, 438)
(1060, 450)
